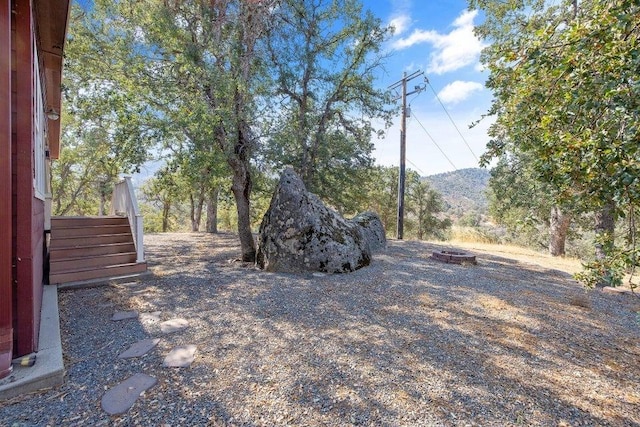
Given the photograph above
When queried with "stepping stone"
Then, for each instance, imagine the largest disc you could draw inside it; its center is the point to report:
(129, 284)
(121, 398)
(173, 325)
(180, 357)
(151, 317)
(139, 349)
(123, 315)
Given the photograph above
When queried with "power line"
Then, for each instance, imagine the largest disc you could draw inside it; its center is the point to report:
(452, 122)
(434, 142)
(417, 168)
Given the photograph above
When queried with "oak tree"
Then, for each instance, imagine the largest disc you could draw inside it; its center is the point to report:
(565, 82)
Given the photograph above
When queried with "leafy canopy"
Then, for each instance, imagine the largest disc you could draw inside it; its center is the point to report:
(566, 87)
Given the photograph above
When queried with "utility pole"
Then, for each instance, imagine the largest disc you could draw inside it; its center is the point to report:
(403, 144)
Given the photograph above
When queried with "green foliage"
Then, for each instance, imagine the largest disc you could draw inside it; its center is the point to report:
(564, 77)
(382, 196)
(153, 219)
(324, 55)
(73, 174)
(227, 93)
(519, 201)
(106, 128)
(513, 185)
(184, 76)
(622, 260)
(263, 187)
(162, 195)
(470, 219)
(423, 205)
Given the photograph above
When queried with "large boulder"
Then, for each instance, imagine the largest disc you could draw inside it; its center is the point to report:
(373, 230)
(299, 233)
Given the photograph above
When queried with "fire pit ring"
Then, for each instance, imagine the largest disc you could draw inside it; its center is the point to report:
(453, 257)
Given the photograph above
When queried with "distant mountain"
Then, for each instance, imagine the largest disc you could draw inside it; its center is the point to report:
(462, 190)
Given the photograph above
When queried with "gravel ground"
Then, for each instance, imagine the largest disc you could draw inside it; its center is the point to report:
(407, 341)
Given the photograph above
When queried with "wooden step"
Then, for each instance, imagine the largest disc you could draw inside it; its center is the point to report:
(73, 264)
(102, 239)
(58, 232)
(88, 230)
(81, 221)
(84, 249)
(103, 272)
(57, 254)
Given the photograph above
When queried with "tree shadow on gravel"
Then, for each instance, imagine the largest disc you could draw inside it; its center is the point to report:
(410, 340)
(406, 341)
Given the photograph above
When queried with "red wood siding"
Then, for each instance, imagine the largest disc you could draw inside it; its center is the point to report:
(6, 292)
(22, 215)
(29, 220)
(14, 178)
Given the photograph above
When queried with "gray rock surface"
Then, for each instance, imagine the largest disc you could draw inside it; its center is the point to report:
(121, 398)
(180, 357)
(152, 317)
(173, 325)
(124, 315)
(373, 230)
(139, 348)
(299, 233)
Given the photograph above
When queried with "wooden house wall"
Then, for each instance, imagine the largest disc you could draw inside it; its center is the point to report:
(6, 299)
(28, 220)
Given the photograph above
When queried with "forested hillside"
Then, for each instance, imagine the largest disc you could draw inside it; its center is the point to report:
(463, 191)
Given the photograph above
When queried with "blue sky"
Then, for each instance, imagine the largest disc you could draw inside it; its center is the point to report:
(435, 37)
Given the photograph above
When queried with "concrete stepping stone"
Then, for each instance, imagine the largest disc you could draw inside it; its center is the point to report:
(139, 348)
(121, 398)
(124, 315)
(151, 317)
(173, 325)
(180, 357)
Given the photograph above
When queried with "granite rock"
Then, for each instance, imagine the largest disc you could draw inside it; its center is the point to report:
(300, 234)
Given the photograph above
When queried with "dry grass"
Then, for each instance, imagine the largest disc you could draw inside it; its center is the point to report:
(565, 264)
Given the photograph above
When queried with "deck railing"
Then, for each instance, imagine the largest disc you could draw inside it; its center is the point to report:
(124, 203)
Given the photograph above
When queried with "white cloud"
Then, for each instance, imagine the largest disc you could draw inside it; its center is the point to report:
(453, 50)
(400, 23)
(418, 36)
(466, 19)
(458, 91)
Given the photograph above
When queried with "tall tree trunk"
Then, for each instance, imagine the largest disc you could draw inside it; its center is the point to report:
(199, 207)
(241, 188)
(212, 210)
(420, 223)
(196, 210)
(103, 198)
(166, 208)
(192, 213)
(559, 223)
(604, 228)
